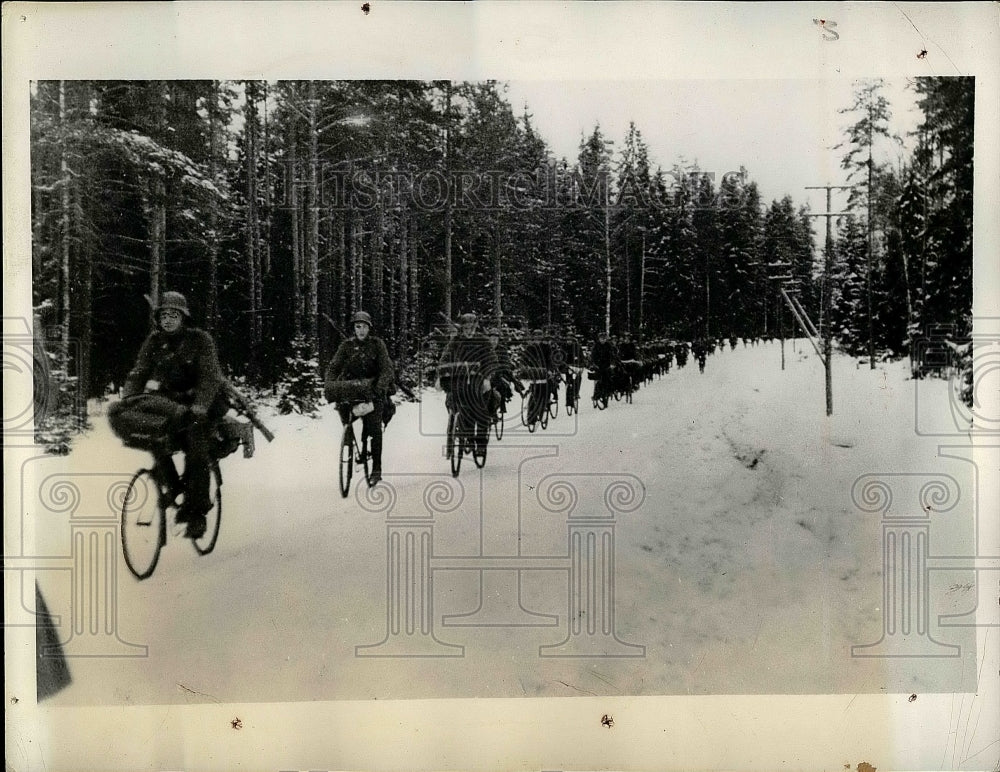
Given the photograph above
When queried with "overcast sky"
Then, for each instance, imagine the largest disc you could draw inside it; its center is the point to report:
(780, 130)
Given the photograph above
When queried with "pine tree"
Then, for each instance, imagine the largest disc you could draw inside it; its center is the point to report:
(300, 388)
(872, 124)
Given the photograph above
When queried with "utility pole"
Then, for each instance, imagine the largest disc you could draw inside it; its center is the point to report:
(871, 247)
(828, 290)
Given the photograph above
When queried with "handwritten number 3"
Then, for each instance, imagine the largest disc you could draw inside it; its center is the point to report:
(826, 27)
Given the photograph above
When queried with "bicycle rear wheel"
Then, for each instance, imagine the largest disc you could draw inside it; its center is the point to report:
(479, 454)
(455, 449)
(529, 411)
(498, 420)
(554, 402)
(346, 460)
(213, 518)
(143, 524)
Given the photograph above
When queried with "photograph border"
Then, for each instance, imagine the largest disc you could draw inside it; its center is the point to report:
(506, 41)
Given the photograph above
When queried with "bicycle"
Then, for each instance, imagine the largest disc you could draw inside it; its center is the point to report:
(553, 409)
(533, 411)
(499, 415)
(462, 428)
(153, 494)
(351, 453)
(574, 379)
(631, 369)
(601, 388)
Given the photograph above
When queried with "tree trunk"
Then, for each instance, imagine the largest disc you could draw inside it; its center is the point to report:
(266, 257)
(64, 272)
(355, 267)
(293, 202)
(404, 268)
(84, 272)
(378, 263)
(607, 259)
(158, 216)
(868, 277)
(628, 288)
(708, 296)
(642, 287)
(312, 234)
(252, 231)
(212, 290)
(497, 278)
(342, 272)
(447, 208)
(413, 332)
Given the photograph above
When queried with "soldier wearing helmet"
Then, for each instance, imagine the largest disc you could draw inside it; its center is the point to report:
(177, 372)
(469, 348)
(500, 371)
(364, 356)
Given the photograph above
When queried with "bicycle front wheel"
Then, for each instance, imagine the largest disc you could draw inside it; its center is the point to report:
(346, 460)
(554, 402)
(365, 456)
(143, 524)
(213, 518)
(498, 424)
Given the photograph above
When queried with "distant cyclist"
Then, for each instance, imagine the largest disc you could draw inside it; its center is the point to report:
(468, 391)
(500, 371)
(572, 368)
(537, 360)
(364, 356)
(602, 361)
(628, 353)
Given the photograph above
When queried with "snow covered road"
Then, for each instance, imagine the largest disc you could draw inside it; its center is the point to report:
(740, 564)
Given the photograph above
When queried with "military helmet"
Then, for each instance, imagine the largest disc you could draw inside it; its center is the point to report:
(361, 316)
(173, 301)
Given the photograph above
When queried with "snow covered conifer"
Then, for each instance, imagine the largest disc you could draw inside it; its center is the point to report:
(299, 389)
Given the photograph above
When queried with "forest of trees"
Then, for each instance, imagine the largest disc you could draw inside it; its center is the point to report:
(280, 207)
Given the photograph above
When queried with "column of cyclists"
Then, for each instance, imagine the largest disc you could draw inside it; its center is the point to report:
(176, 401)
(479, 375)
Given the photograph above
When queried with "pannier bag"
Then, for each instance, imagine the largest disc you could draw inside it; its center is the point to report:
(145, 421)
(359, 390)
(362, 409)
